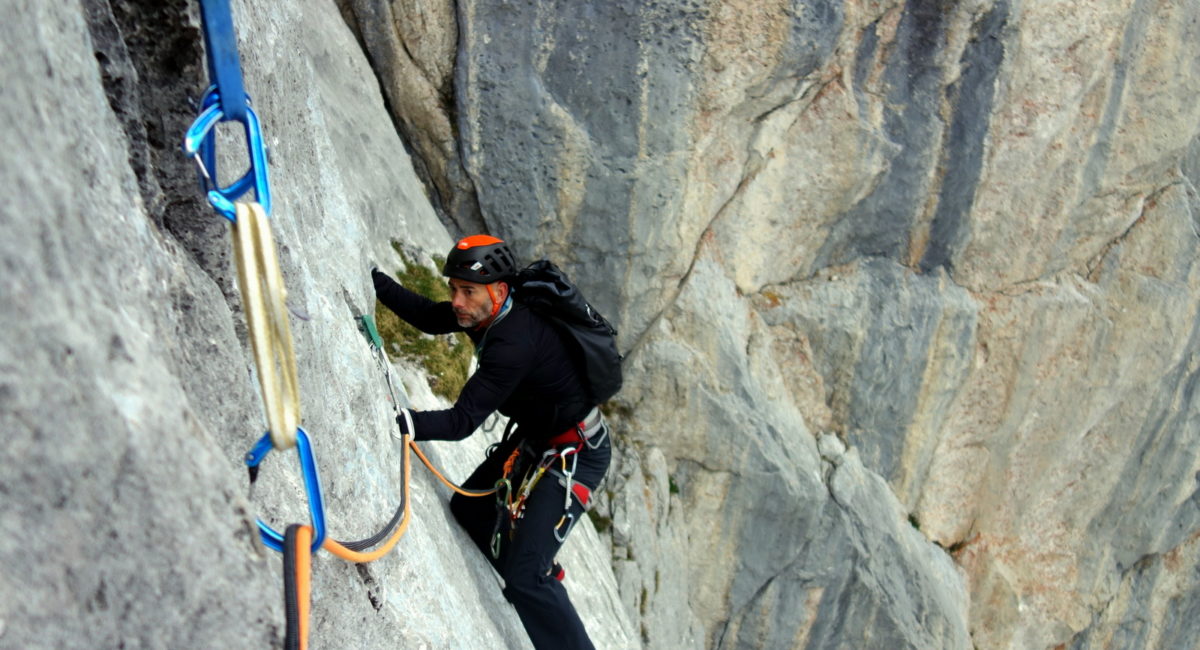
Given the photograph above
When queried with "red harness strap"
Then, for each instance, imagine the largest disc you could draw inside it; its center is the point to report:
(582, 493)
(570, 436)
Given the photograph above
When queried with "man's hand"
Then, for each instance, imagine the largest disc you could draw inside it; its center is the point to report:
(379, 278)
(404, 421)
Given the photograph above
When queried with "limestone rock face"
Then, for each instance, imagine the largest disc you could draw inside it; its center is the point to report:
(961, 237)
(908, 294)
(412, 46)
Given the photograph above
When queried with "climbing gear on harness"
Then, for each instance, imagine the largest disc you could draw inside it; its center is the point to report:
(567, 477)
(480, 258)
(264, 301)
(563, 450)
(582, 494)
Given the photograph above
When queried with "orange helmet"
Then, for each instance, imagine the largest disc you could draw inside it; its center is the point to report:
(480, 258)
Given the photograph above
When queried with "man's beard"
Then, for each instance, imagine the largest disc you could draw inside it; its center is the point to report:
(472, 319)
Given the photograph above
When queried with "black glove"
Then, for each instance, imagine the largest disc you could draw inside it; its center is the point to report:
(379, 278)
(404, 421)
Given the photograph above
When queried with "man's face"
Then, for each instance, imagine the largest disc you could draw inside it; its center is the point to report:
(471, 303)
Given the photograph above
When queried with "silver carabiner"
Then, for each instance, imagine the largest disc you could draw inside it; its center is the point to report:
(570, 519)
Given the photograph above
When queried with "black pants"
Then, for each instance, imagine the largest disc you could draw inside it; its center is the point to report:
(526, 559)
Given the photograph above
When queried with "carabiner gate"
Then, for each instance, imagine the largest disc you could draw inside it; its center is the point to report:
(312, 487)
(199, 143)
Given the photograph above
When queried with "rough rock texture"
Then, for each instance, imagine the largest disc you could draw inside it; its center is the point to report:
(126, 390)
(792, 540)
(411, 45)
(908, 289)
(960, 235)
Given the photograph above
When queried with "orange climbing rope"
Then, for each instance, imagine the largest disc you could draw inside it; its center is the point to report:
(350, 555)
(449, 484)
(297, 585)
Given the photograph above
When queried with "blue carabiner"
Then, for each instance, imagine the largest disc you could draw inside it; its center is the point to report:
(224, 65)
(200, 143)
(312, 487)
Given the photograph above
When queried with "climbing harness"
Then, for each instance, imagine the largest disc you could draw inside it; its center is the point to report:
(562, 450)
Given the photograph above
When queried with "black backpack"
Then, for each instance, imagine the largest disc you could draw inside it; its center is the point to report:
(545, 289)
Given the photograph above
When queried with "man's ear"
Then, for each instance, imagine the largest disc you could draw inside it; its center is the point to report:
(505, 289)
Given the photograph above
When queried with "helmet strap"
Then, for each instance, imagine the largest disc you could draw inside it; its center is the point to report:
(497, 304)
(495, 299)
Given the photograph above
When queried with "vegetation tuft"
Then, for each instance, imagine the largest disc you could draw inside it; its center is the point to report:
(601, 523)
(446, 359)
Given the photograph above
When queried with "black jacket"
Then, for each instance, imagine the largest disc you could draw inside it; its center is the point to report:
(526, 371)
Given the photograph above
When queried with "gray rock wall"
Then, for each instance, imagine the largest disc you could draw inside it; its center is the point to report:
(908, 292)
(961, 236)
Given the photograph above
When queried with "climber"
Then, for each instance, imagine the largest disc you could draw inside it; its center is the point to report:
(528, 373)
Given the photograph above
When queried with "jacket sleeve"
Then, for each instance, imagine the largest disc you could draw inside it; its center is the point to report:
(420, 312)
(503, 364)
